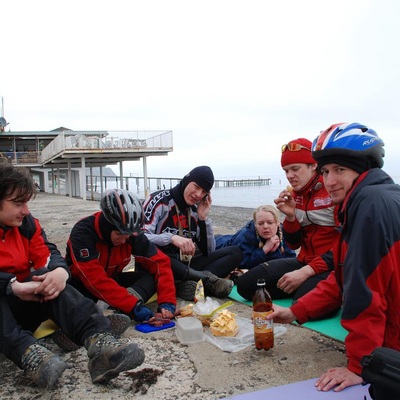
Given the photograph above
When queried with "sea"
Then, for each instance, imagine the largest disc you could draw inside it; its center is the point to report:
(240, 196)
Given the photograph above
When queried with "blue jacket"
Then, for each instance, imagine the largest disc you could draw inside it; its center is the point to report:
(248, 241)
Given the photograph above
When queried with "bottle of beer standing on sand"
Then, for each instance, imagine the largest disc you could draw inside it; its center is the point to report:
(263, 328)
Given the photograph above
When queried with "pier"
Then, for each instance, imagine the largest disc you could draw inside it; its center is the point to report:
(155, 183)
(242, 182)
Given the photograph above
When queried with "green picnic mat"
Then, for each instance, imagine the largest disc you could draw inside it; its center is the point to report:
(330, 327)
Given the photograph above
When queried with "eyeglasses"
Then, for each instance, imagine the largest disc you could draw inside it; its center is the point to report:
(293, 147)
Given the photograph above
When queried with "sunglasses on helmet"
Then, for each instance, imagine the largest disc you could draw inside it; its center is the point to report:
(293, 147)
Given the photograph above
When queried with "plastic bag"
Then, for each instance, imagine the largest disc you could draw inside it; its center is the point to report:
(207, 307)
(243, 339)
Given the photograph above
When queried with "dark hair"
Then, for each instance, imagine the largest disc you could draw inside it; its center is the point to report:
(16, 182)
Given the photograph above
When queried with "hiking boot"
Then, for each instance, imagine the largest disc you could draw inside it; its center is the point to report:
(42, 366)
(108, 356)
(186, 290)
(217, 287)
(119, 323)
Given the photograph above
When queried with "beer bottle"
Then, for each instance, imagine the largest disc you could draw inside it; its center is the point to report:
(263, 328)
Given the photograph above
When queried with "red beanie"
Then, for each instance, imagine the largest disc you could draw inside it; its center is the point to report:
(302, 156)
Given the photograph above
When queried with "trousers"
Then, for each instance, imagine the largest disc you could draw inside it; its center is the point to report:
(76, 315)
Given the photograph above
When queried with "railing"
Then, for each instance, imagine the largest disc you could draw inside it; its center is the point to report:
(89, 140)
(21, 157)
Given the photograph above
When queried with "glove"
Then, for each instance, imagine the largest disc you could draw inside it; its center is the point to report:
(167, 306)
(141, 313)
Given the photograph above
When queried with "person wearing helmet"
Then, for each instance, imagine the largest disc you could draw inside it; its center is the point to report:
(366, 278)
(99, 251)
(177, 222)
(308, 227)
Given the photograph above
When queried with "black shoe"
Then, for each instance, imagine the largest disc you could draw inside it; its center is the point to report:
(42, 366)
(217, 287)
(109, 357)
(119, 323)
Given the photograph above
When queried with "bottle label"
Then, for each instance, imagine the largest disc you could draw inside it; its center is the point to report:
(261, 323)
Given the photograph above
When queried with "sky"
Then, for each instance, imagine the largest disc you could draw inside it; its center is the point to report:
(233, 80)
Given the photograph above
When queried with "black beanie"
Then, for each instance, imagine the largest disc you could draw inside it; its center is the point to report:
(202, 175)
(358, 164)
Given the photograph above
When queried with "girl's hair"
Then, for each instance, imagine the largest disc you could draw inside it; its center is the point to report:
(273, 210)
(16, 182)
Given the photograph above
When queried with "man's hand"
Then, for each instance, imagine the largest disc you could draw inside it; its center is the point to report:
(26, 291)
(281, 315)
(167, 310)
(204, 207)
(290, 281)
(186, 245)
(337, 378)
(286, 204)
(52, 283)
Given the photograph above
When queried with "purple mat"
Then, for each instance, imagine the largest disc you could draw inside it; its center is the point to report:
(305, 390)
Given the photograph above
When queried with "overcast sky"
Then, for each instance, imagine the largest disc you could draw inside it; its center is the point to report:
(233, 80)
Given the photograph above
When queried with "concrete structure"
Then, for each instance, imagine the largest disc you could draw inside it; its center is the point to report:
(66, 154)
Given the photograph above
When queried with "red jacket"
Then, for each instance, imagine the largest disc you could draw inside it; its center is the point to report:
(24, 249)
(312, 230)
(96, 262)
(366, 279)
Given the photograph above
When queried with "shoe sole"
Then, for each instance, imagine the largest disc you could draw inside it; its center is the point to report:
(53, 369)
(119, 323)
(186, 290)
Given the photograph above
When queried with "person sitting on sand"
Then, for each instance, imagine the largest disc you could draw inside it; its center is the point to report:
(177, 222)
(366, 248)
(308, 225)
(34, 288)
(260, 240)
(101, 246)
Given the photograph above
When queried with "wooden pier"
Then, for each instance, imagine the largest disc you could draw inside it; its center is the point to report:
(242, 182)
(95, 184)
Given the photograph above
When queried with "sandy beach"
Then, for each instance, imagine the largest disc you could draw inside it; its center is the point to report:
(173, 370)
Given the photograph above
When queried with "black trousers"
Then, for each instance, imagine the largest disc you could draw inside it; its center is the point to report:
(142, 281)
(271, 272)
(220, 262)
(76, 315)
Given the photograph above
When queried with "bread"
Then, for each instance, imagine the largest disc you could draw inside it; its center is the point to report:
(289, 189)
(187, 310)
(225, 324)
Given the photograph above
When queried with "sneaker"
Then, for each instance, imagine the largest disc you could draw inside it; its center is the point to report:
(217, 287)
(186, 290)
(42, 366)
(119, 323)
(108, 356)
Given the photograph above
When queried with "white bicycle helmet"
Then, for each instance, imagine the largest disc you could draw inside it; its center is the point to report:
(124, 210)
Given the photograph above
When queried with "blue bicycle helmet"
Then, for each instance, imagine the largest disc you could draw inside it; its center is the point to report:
(353, 140)
(123, 210)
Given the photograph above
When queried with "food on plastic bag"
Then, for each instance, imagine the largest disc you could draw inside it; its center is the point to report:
(187, 310)
(205, 311)
(243, 339)
(225, 324)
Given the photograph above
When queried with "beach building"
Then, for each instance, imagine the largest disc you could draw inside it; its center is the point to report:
(64, 156)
